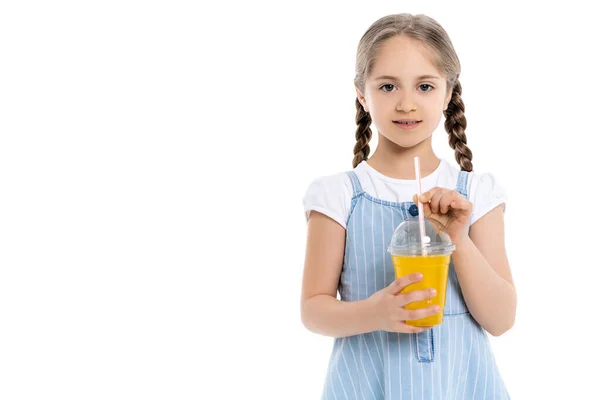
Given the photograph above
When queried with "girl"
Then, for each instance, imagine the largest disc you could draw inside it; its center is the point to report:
(406, 76)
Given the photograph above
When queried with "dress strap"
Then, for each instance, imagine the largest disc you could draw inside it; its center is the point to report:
(462, 184)
(356, 187)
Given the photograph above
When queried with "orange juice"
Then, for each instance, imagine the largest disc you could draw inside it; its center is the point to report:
(435, 275)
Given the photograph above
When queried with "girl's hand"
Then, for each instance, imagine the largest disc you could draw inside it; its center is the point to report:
(388, 306)
(448, 211)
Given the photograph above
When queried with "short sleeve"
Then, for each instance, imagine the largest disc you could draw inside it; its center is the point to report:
(485, 193)
(330, 195)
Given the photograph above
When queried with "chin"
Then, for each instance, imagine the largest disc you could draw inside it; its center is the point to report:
(407, 143)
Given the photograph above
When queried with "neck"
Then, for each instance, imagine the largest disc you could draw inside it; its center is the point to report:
(398, 162)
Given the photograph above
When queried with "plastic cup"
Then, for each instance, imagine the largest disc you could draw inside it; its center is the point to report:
(432, 259)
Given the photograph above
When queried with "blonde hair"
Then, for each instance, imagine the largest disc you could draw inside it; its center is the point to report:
(429, 32)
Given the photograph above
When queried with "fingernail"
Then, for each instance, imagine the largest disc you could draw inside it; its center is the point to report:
(432, 292)
(419, 276)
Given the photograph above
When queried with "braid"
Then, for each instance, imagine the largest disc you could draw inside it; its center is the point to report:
(455, 125)
(363, 135)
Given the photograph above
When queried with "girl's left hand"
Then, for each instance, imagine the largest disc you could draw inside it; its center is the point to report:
(448, 211)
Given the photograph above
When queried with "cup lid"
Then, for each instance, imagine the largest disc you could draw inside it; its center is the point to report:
(406, 240)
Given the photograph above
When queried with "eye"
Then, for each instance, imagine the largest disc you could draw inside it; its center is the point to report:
(425, 87)
(390, 86)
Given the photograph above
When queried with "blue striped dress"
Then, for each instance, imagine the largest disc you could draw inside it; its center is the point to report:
(451, 361)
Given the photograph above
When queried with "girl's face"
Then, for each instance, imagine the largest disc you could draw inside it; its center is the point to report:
(405, 85)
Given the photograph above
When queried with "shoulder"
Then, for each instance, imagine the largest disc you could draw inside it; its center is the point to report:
(330, 195)
(330, 185)
(486, 192)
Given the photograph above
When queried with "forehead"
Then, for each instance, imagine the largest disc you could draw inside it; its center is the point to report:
(404, 57)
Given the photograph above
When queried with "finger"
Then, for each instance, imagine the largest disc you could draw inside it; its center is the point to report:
(426, 196)
(414, 296)
(459, 202)
(435, 201)
(402, 327)
(411, 315)
(427, 210)
(445, 202)
(399, 284)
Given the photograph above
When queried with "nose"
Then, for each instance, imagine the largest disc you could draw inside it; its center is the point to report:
(406, 103)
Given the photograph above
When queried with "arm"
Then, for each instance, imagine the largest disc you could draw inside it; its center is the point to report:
(321, 311)
(484, 274)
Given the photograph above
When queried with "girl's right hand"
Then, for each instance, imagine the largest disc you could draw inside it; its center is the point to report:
(388, 306)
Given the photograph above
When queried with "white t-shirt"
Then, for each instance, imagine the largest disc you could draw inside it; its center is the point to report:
(332, 195)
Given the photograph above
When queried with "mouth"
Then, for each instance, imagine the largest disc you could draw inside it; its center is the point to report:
(408, 124)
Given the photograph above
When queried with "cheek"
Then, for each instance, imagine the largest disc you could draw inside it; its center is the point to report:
(382, 106)
(376, 109)
(435, 110)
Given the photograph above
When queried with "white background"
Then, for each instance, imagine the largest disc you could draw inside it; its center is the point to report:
(153, 160)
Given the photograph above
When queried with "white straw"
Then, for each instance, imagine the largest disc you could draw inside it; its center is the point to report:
(419, 204)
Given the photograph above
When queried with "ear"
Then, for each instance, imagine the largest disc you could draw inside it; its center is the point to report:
(447, 100)
(361, 98)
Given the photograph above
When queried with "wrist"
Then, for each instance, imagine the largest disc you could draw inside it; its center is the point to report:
(369, 315)
(462, 242)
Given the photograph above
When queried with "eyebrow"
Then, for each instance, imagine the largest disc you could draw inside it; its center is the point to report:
(393, 78)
